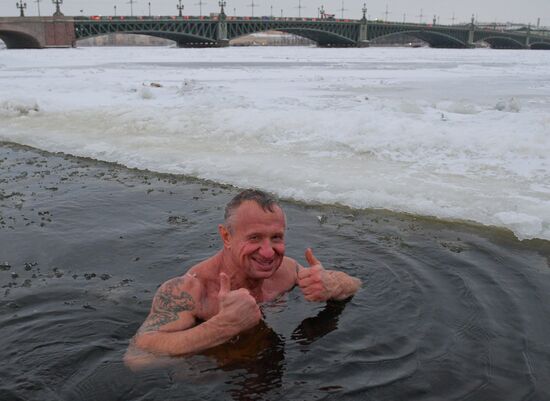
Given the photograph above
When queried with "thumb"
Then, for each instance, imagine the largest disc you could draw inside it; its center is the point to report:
(225, 285)
(312, 260)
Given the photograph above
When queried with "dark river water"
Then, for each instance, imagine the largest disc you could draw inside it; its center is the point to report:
(448, 311)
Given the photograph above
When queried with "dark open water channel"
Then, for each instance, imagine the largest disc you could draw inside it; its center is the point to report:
(448, 311)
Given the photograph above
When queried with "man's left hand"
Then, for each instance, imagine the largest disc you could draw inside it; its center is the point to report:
(316, 283)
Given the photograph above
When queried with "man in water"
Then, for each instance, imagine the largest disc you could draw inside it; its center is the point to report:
(218, 298)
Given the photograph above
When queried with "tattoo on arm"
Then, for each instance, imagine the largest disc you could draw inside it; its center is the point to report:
(168, 302)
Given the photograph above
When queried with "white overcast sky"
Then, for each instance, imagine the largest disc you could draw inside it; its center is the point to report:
(521, 11)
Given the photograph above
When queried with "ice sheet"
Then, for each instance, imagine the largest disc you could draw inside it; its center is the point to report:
(458, 134)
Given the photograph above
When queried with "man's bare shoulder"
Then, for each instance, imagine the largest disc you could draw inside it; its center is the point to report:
(208, 269)
(176, 288)
(190, 286)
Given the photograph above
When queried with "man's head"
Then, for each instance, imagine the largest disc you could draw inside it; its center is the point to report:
(267, 202)
(253, 233)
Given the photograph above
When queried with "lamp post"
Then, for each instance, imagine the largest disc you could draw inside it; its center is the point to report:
(180, 8)
(149, 5)
(364, 11)
(343, 9)
(22, 7)
(131, 2)
(58, 12)
(300, 8)
(38, 6)
(115, 9)
(200, 4)
(222, 4)
(252, 5)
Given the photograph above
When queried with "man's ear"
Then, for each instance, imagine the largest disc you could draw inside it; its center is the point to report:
(225, 235)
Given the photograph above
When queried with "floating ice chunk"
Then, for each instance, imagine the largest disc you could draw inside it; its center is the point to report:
(511, 105)
(523, 225)
(410, 108)
(18, 107)
(459, 107)
(189, 85)
(146, 93)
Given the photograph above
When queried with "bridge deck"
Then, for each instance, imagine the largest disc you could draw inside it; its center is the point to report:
(217, 30)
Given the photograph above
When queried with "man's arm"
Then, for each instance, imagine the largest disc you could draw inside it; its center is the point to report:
(319, 284)
(170, 328)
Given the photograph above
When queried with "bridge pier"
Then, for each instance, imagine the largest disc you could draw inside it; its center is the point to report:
(37, 32)
(471, 34)
(363, 39)
(222, 39)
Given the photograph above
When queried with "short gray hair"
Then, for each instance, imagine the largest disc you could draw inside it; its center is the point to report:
(266, 201)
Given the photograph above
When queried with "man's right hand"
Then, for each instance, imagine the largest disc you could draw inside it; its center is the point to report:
(238, 310)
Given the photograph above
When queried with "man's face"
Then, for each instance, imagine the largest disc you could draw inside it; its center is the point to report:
(256, 241)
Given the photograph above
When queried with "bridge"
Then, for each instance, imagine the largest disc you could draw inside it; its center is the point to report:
(218, 29)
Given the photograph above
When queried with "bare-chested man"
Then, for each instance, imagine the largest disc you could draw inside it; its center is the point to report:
(218, 298)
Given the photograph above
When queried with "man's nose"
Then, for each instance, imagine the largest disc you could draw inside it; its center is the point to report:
(266, 250)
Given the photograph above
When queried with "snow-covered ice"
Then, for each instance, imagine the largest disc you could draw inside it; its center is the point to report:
(458, 134)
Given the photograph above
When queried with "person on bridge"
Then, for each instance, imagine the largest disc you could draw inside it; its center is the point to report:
(218, 298)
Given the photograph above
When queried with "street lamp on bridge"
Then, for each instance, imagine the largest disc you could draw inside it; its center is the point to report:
(21, 6)
(131, 2)
(252, 5)
(180, 8)
(200, 4)
(222, 4)
(343, 9)
(300, 7)
(58, 12)
(364, 11)
(38, 5)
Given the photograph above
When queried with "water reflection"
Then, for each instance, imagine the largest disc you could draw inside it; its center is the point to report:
(260, 352)
(250, 367)
(316, 327)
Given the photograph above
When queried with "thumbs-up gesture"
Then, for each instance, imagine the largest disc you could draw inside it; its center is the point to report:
(237, 309)
(315, 282)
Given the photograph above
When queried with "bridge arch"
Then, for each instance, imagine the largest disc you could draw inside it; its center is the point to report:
(120, 38)
(499, 42)
(434, 39)
(322, 38)
(19, 40)
(540, 46)
(322, 32)
(181, 39)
